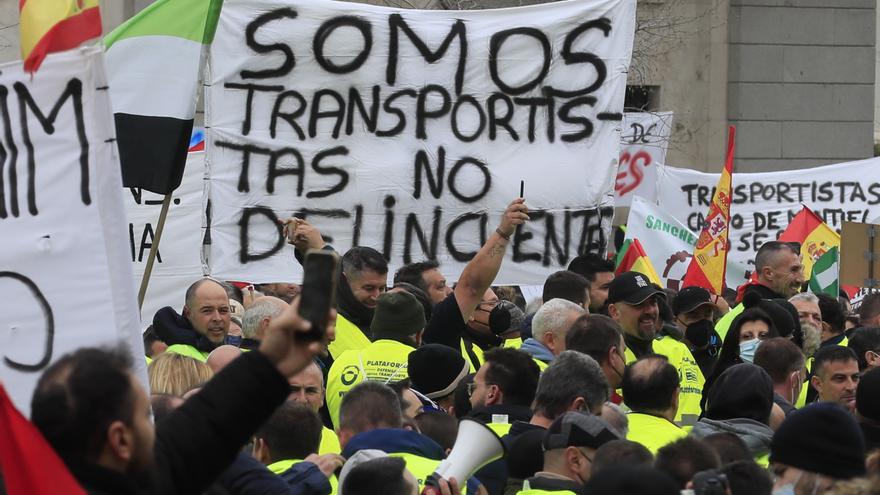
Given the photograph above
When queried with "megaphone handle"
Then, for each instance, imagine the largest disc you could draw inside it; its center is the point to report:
(432, 485)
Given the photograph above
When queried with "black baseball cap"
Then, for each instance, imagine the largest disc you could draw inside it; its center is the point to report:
(632, 288)
(577, 429)
(691, 298)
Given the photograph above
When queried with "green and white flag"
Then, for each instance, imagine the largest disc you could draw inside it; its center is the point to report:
(154, 66)
(825, 278)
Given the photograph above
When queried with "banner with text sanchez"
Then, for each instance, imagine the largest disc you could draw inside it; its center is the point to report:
(409, 131)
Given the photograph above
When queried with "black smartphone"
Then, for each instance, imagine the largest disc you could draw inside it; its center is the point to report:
(318, 291)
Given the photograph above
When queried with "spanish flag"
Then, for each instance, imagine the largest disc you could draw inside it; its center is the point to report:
(55, 25)
(709, 264)
(814, 235)
(632, 258)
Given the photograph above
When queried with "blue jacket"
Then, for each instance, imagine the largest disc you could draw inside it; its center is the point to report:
(399, 441)
(305, 478)
(537, 350)
(394, 441)
(248, 476)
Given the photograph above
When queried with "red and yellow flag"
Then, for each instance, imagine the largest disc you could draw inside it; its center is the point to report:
(55, 25)
(814, 235)
(709, 264)
(29, 464)
(632, 258)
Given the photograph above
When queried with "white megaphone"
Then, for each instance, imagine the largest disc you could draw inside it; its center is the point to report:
(475, 446)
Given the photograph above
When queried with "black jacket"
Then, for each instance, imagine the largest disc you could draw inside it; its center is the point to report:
(174, 328)
(199, 440)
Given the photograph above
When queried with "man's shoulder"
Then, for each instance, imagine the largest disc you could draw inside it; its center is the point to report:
(188, 351)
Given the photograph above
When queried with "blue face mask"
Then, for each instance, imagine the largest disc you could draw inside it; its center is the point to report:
(234, 340)
(785, 490)
(747, 350)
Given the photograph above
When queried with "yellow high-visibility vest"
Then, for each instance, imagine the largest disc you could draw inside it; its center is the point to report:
(188, 351)
(652, 431)
(329, 442)
(383, 360)
(348, 338)
(690, 377)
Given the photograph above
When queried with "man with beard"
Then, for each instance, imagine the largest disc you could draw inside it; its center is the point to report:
(633, 304)
(203, 325)
(96, 415)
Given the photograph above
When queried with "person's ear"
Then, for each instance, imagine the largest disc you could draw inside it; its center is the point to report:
(872, 358)
(816, 383)
(579, 404)
(120, 440)
(573, 458)
(613, 312)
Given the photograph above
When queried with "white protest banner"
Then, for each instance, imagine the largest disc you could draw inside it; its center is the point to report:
(179, 261)
(668, 243)
(65, 277)
(409, 131)
(763, 203)
(645, 138)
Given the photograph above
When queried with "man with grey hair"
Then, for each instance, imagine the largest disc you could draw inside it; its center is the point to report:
(807, 305)
(256, 319)
(572, 382)
(549, 327)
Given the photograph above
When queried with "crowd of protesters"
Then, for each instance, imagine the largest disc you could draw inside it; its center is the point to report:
(608, 384)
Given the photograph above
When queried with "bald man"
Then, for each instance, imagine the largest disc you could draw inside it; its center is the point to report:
(307, 387)
(221, 356)
(203, 325)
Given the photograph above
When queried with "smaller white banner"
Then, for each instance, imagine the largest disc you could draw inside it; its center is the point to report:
(669, 244)
(178, 262)
(643, 144)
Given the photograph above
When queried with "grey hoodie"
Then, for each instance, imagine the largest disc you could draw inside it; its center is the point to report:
(756, 435)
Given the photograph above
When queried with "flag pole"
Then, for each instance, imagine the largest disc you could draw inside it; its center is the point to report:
(154, 250)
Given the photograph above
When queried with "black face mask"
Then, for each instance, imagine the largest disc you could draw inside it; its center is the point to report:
(505, 317)
(699, 333)
(486, 330)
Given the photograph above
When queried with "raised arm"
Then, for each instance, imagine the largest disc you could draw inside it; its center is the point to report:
(481, 271)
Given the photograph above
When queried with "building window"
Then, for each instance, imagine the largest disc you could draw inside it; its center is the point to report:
(642, 98)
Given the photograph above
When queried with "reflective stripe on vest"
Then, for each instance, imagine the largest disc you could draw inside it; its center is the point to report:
(690, 377)
(651, 431)
(383, 361)
(188, 351)
(348, 338)
(528, 490)
(541, 364)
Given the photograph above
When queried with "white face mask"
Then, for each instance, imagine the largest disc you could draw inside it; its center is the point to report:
(747, 350)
